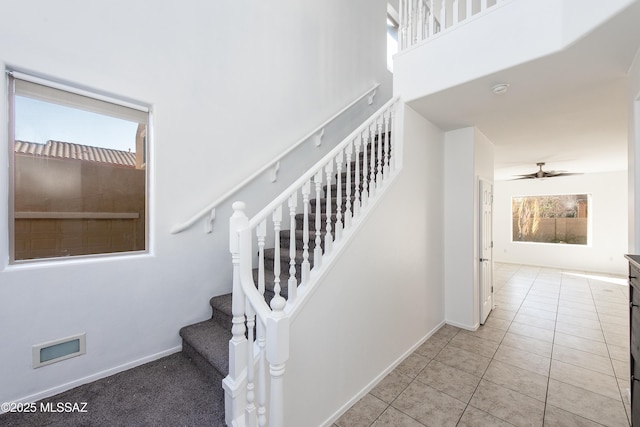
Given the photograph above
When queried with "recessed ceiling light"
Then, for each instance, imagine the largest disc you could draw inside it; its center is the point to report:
(500, 89)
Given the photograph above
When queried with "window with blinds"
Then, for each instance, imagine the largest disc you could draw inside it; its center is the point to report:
(78, 171)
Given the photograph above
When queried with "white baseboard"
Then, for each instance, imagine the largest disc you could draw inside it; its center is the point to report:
(462, 326)
(99, 375)
(379, 378)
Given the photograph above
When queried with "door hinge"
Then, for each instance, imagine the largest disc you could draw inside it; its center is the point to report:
(491, 288)
(492, 244)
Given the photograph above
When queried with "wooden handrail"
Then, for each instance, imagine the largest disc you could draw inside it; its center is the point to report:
(210, 210)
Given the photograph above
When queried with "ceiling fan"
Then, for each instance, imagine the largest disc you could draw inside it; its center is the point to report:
(545, 174)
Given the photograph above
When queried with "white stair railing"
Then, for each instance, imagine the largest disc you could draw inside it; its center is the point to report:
(422, 19)
(361, 167)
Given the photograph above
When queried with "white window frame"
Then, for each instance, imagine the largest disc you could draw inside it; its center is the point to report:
(105, 104)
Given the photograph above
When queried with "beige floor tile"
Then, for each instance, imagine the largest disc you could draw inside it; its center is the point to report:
(621, 368)
(590, 306)
(466, 361)
(579, 343)
(531, 331)
(547, 324)
(615, 328)
(486, 332)
(391, 386)
(503, 313)
(474, 417)
(593, 406)
(394, 418)
(413, 364)
(592, 315)
(540, 314)
(530, 345)
(432, 347)
(556, 417)
(619, 339)
(617, 352)
(580, 331)
(522, 359)
(469, 342)
(363, 413)
(579, 321)
(615, 320)
(582, 359)
(539, 305)
(449, 380)
(545, 299)
(587, 379)
(429, 406)
(517, 379)
(507, 404)
(445, 333)
(497, 323)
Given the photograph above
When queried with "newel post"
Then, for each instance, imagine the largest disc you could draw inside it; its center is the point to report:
(277, 355)
(233, 383)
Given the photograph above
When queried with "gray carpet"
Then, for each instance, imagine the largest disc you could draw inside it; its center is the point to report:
(167, 392)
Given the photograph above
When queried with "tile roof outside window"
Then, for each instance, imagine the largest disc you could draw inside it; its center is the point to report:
(67, 150)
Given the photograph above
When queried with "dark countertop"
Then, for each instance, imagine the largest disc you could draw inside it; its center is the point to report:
(634, 259)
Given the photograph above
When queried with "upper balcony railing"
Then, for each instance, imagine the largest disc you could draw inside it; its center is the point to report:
(422, 19)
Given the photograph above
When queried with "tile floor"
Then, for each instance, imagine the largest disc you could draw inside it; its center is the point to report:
(553, 352)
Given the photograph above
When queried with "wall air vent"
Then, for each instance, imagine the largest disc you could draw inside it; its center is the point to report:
(58, 350)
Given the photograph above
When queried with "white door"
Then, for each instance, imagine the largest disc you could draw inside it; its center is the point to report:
(486, 248)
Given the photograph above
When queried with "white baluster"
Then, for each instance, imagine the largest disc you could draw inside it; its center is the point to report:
(261, 233)
(250, 410)
(364, 196)
(455, 16)
(392, 137)
(293, 281)
(306, 190)
(443, 15)
(386, 147)
(372, 167)
(432, 19)
(483, 5)
(328, 236)
(277, 301)
(379, 136)
(469, 9)
(411, 25)
(262, 376)
(356, 202)
(347, 208)
(338, 228)
(317, 250)
(419, 23)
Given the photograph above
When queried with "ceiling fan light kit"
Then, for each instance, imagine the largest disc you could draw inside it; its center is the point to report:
(541, 174)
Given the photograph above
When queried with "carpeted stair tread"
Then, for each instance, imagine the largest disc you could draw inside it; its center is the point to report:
(211, 341)
(222, 313)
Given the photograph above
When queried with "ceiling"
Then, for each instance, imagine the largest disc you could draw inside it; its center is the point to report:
(568, 109)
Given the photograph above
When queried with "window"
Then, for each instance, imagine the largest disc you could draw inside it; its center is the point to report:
(562, 219)
(78, 172)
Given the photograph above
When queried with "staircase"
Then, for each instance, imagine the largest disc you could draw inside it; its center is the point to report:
(206, 343)
(297, 235)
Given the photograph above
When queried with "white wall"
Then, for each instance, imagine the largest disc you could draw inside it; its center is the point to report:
(468, 157)
(634, 155)
(608, 214)
(489, 43)
(231, 85)
(393, 272)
